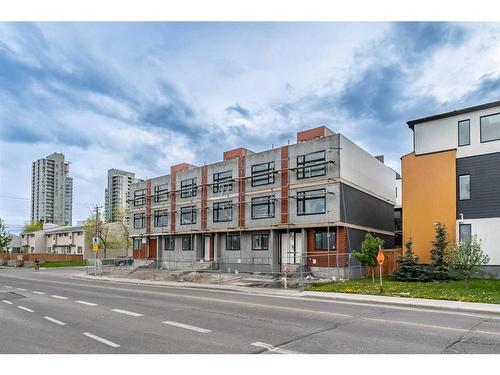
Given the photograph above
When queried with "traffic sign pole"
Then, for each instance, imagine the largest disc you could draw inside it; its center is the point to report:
(380, 260)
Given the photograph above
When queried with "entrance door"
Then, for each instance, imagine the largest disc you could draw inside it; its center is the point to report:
(207, 248)
(291, 249)
(152, 248)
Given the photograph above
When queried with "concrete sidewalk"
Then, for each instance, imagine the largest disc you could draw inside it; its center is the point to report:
(470, 307)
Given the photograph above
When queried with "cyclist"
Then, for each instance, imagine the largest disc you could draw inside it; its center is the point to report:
(37, 264)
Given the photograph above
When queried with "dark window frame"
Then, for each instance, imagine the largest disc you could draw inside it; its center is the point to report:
(161, 193)
(222, 184)
(190, 247)
(461, 225)
(323, 234)
(470, 187)
(270, 203)
(303, 165)
(302, 198)
(167, 242)
(233, 235)
(140, 199)
(156, 217)
(481, 128)
(221, 206)
(468, 131)
(137, 241)
(262, 235)
(266, 175)
(140, 217)
(187, 210)
(189, 188)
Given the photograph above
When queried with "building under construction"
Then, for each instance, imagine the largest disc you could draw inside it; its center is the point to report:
(302, 206)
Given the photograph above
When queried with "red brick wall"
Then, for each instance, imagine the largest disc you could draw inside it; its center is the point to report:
(233, 154)
(284, 185)
(311, 134)
(43, 256)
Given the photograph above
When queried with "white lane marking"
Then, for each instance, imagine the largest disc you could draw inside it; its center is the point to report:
(7, 302)
(272, 348)
(131, 313)
(21, 289)
(38, 292)
(59, 297)
(7, 286)
(54, 320)
(100, 339)
(186, 326)
(86, 303)
(25, 308)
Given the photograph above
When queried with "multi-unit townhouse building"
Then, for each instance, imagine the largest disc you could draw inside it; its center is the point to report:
(54, 239)
(453, 177)
(266, 211)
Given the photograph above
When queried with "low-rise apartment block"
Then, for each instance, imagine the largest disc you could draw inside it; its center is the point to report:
(453, 176)
(54, 239)
(296, 205)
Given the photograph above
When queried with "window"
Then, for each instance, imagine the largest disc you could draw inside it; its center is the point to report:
(188, 188)
(139, 197)
(311, 165)
(324, 240)
(464, 232)
(490, 128)
(464, 187)
(223, 182)
(223, 211)
(464, 133)
(188, 215)
(263, 207)
(260, 242)
(187, 243)
(80, 249)
(311, 202)
(263, 174)
(161, 218)
(137, 244)
(161, 193)
(169, 243)
(232, 241)
(139, 220)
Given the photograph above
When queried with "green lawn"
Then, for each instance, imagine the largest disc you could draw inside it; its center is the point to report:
(481, 290)
(62, 263)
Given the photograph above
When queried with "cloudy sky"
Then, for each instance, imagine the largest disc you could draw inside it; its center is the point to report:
(144, 96)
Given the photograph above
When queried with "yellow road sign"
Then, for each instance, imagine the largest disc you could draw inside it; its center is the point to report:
(95, 247)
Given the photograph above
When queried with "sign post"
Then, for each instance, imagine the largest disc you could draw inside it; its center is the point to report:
(95, 248)
(380, 260)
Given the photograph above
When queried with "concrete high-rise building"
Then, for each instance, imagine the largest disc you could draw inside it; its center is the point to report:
(51, 190)
(117, 193)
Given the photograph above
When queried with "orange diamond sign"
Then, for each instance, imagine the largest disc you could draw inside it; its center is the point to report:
(380, 257)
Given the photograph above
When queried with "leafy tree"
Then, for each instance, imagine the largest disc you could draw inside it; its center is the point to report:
(5, 237)
(369, 251)
(439, 267)
(121, 216)
(33, 227)
(95, 225)
(466, 258)
(409, 268)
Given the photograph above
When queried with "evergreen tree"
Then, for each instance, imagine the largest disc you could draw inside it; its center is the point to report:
(409, 268)
(439, 267)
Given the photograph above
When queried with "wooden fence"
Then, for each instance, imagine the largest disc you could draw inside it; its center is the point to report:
(40, 256)
(390, 263)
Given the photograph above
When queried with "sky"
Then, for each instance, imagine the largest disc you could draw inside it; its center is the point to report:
(144, 96)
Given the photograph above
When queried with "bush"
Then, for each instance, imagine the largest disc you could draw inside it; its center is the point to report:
(409, 268)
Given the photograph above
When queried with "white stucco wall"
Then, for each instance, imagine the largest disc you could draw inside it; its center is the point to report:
(488, 231)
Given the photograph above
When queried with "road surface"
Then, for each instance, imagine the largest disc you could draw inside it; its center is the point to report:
(52, 312)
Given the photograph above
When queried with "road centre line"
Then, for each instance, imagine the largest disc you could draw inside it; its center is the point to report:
(7, 302)
(272, 348)
(100, 339)
(186, 326)
(7, 286)
(86, 303)
(59, 297)
(21, 289)
(25, 308)
(35, 292)
(125, 312)
(54, 320)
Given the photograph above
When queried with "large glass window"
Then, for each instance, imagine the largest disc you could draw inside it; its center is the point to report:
(464, 232)
(490, 128)
(263, 207)
(260, 242)
(161, 193)
(223, 182)
(311, 202)
(464, 187)
(464, 133)
(139, 220)
(137, 244)
(324, 240)
(311, 165)
(263, 174)
(188, 188)
(232, 241)
(139, 197)
(161, 218)
(223, 211)
(188, 215)
(169, 243)
(187, 243)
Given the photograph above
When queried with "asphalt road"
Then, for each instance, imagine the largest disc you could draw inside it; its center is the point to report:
(51, 312)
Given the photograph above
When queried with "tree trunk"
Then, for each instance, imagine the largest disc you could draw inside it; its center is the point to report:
(373, 275)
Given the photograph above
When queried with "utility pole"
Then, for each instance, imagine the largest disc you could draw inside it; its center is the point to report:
(96, 236)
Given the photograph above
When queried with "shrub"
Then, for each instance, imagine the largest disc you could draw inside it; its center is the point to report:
(409, 268)
(466, 258)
